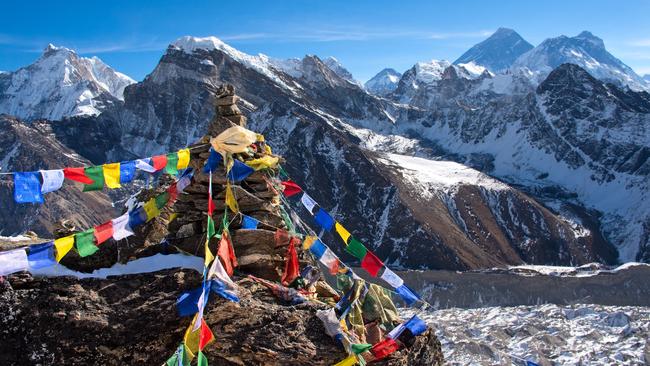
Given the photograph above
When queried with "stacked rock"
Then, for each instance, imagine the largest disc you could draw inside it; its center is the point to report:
(259, 251)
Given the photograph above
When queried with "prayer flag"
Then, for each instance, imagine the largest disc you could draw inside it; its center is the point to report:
(159, 162)
(137, 217)
(239, 171)
(103, 232)
(407, 295)
(351, 360)
(531, 363)
(384, 348)
(127, 171)
(235, 139)
(330, 322)
(192, 335)
(151, 209)
(343, 233)
(96, 174)
(145, 165)
(391, 278)
(202, 360)
(214, 159)
(187, 302)
(112, 175)
(308, 202)
(180, 358)
(396, 332)
(183, 159)
(416, 325)
(210, 228)
(308, 242)
(85, 243)
(185, 180)
(121, 227)
(52, 180)
(371, 263)
(208, 256)
(324, 219)
(249, 222)
(357, 249)
(264, 162)
(161, 200)
(318, 249)
(63, 246)
(227, 253)
(291, 266)
(27, 188)
(41, 255)
(231, 202)
(77, 175)
(172, 164)
(330, 260)
(206, 336)
(359, 348)
(222, 284)
(14, 260)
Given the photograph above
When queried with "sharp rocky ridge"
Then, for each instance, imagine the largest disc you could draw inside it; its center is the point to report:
(458, 167)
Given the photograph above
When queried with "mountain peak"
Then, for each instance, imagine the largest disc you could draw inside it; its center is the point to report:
(588, 36)
(384, 82)
(51, 50)
(498, 52)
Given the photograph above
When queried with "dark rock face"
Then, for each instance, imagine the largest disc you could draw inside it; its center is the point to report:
(498, 52)
(132, 320)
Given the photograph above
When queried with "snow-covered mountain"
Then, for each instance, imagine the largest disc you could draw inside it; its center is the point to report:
(339, 69)
(646, 77)
(61, 84)
(584, 50)
(497, 52)
(384, 82)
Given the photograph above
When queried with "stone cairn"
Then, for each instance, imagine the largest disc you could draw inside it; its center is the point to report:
(259, 252)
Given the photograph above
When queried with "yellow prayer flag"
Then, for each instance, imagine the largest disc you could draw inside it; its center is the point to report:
(209, 257)
(343, 233)
(308, 242)
(172, 217)
(183, 158)
(349, 361)
(231, 202)
(63, 246)
(267, 149)
(112, 175)
(260, 137)
(151, 209)
(191, 339)
(265, 162)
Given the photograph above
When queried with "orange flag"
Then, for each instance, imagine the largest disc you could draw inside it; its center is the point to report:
(206, 336)
(227, 253)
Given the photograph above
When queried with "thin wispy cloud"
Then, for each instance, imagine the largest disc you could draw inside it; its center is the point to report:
(640, 42)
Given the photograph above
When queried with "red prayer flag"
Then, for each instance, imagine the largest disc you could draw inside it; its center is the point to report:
(173, 193)
(384, 348)
(77, 175)
(159, 161)
(371, 263)
(205, 336)
(291, 188)
(291, 267)
(210, 204)
(227, 253)
(103, 232)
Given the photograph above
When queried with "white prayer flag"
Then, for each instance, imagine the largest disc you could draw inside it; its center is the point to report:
(52, 180)
(308, 202)
(392, 279)
(121, 227)
(328, 258)
(143, 164)
(13, 261)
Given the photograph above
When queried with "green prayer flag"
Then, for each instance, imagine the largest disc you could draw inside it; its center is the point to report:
(358, 348)
(85, 243)
(172, 361)
(356, 248)
(96, 173)
(161, 200)
(172, 164)
(287, 220)
(211, 231)
(203, 361)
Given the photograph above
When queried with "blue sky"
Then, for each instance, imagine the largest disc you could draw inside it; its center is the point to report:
(365, 36)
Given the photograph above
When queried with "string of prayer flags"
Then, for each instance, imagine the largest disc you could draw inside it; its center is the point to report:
(127, 171)
(183, 159)
(96, 174)
(235, 139)
(41, 255)
(27, 187)
(12, 261)
(324, 219)
(63, 246)
(265, 162)
(239, 171)
(291, 266)
(249, 222)
(371, 263)
(85, 243)
(159, 162)
(77, 175)
(145, 165)
(290, 188)
(112, 175)
(103, 232)
(52, 180)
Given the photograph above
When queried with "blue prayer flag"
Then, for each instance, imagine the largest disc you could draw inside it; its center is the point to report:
(213, 161)
(239, 171)
(137, 217)
(127, 171)
(187, 303)
(324, 219)
(318, 249)
(416, 325)
(27, 187)
(41, 255)
(219, 288)
(531, 363)
(249, 222)
(407, 295)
